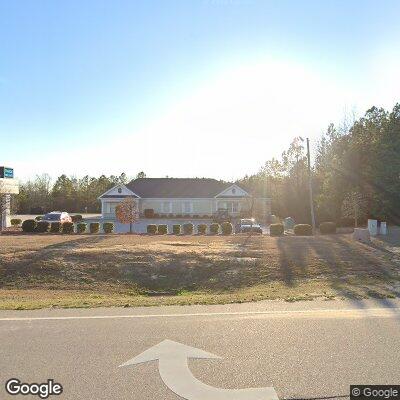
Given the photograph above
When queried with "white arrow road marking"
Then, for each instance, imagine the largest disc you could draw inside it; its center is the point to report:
(175, 373)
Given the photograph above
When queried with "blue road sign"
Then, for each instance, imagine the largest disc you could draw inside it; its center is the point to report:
(6, 172)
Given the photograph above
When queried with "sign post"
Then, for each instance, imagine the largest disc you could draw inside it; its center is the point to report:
(8, 186)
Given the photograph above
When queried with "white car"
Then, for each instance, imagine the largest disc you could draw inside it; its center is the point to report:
(57, 216)
(249, 225)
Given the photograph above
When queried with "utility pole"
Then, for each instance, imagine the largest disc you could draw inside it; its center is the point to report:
(310, 187)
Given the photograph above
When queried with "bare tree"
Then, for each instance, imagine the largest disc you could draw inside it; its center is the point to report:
(354, 206)
(127, 212)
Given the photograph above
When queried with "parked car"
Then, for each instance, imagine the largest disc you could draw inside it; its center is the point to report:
(57, 216)
(249, 225)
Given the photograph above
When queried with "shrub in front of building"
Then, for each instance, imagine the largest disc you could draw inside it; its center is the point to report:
(81, 227)
(16, 222)
(226, 228)
(29, 225)
(162, 229)
(214, 229)
(42, 227)
(108, 227)
(55, 227)
(302, 230)
(276, 229)
(67, 227)
(151, 229)
(176, 229)
(94, 227)
(188, 229)
(202, 229)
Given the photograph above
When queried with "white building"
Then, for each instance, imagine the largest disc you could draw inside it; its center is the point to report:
(183, 197)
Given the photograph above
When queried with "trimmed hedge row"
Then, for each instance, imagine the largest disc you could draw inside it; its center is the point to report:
(33, 226)
(150, 213)
(188, 229)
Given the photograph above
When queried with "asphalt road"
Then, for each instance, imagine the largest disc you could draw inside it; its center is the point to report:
(304, 350)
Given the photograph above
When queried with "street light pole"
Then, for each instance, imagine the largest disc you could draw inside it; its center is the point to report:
(310, 187)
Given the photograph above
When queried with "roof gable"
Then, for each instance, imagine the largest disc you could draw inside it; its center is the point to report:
(233, 191)
(118, 191)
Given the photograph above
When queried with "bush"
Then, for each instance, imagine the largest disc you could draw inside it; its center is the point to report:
(201, 229)
(276, 229)
(42, 226)
(156, 215)
(67, 227)
(94, 227)
(346, 222)
(196, 215)
(108, 227)
(226, 228)
(29, 225)
(327, 227)
(39, 218)
(152, 229)
(76, 218)
(188, 229)
(55, 227)
(81, 227)
(178, 216)
(162, 229)
(302, 230)
(149, 213)
(16, 222)
(214, 228)
(176, 229)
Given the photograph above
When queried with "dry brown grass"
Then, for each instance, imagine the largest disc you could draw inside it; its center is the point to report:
(84, 270)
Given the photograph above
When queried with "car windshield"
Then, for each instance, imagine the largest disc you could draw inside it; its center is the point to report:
(52, 217)
(248, 221)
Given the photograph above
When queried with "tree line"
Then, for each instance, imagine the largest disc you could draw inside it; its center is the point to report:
(76, 195)
(355, 171)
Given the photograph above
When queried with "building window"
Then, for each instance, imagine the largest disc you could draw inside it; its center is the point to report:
(187, 207)
(233, 191)
(235, 207)
(166, 207)
(230, 206)
(119, 190)
(222, 205)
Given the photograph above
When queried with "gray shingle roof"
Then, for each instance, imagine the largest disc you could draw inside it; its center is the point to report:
(177, 187)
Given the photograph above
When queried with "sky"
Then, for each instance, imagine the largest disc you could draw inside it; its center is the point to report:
(206, 88)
